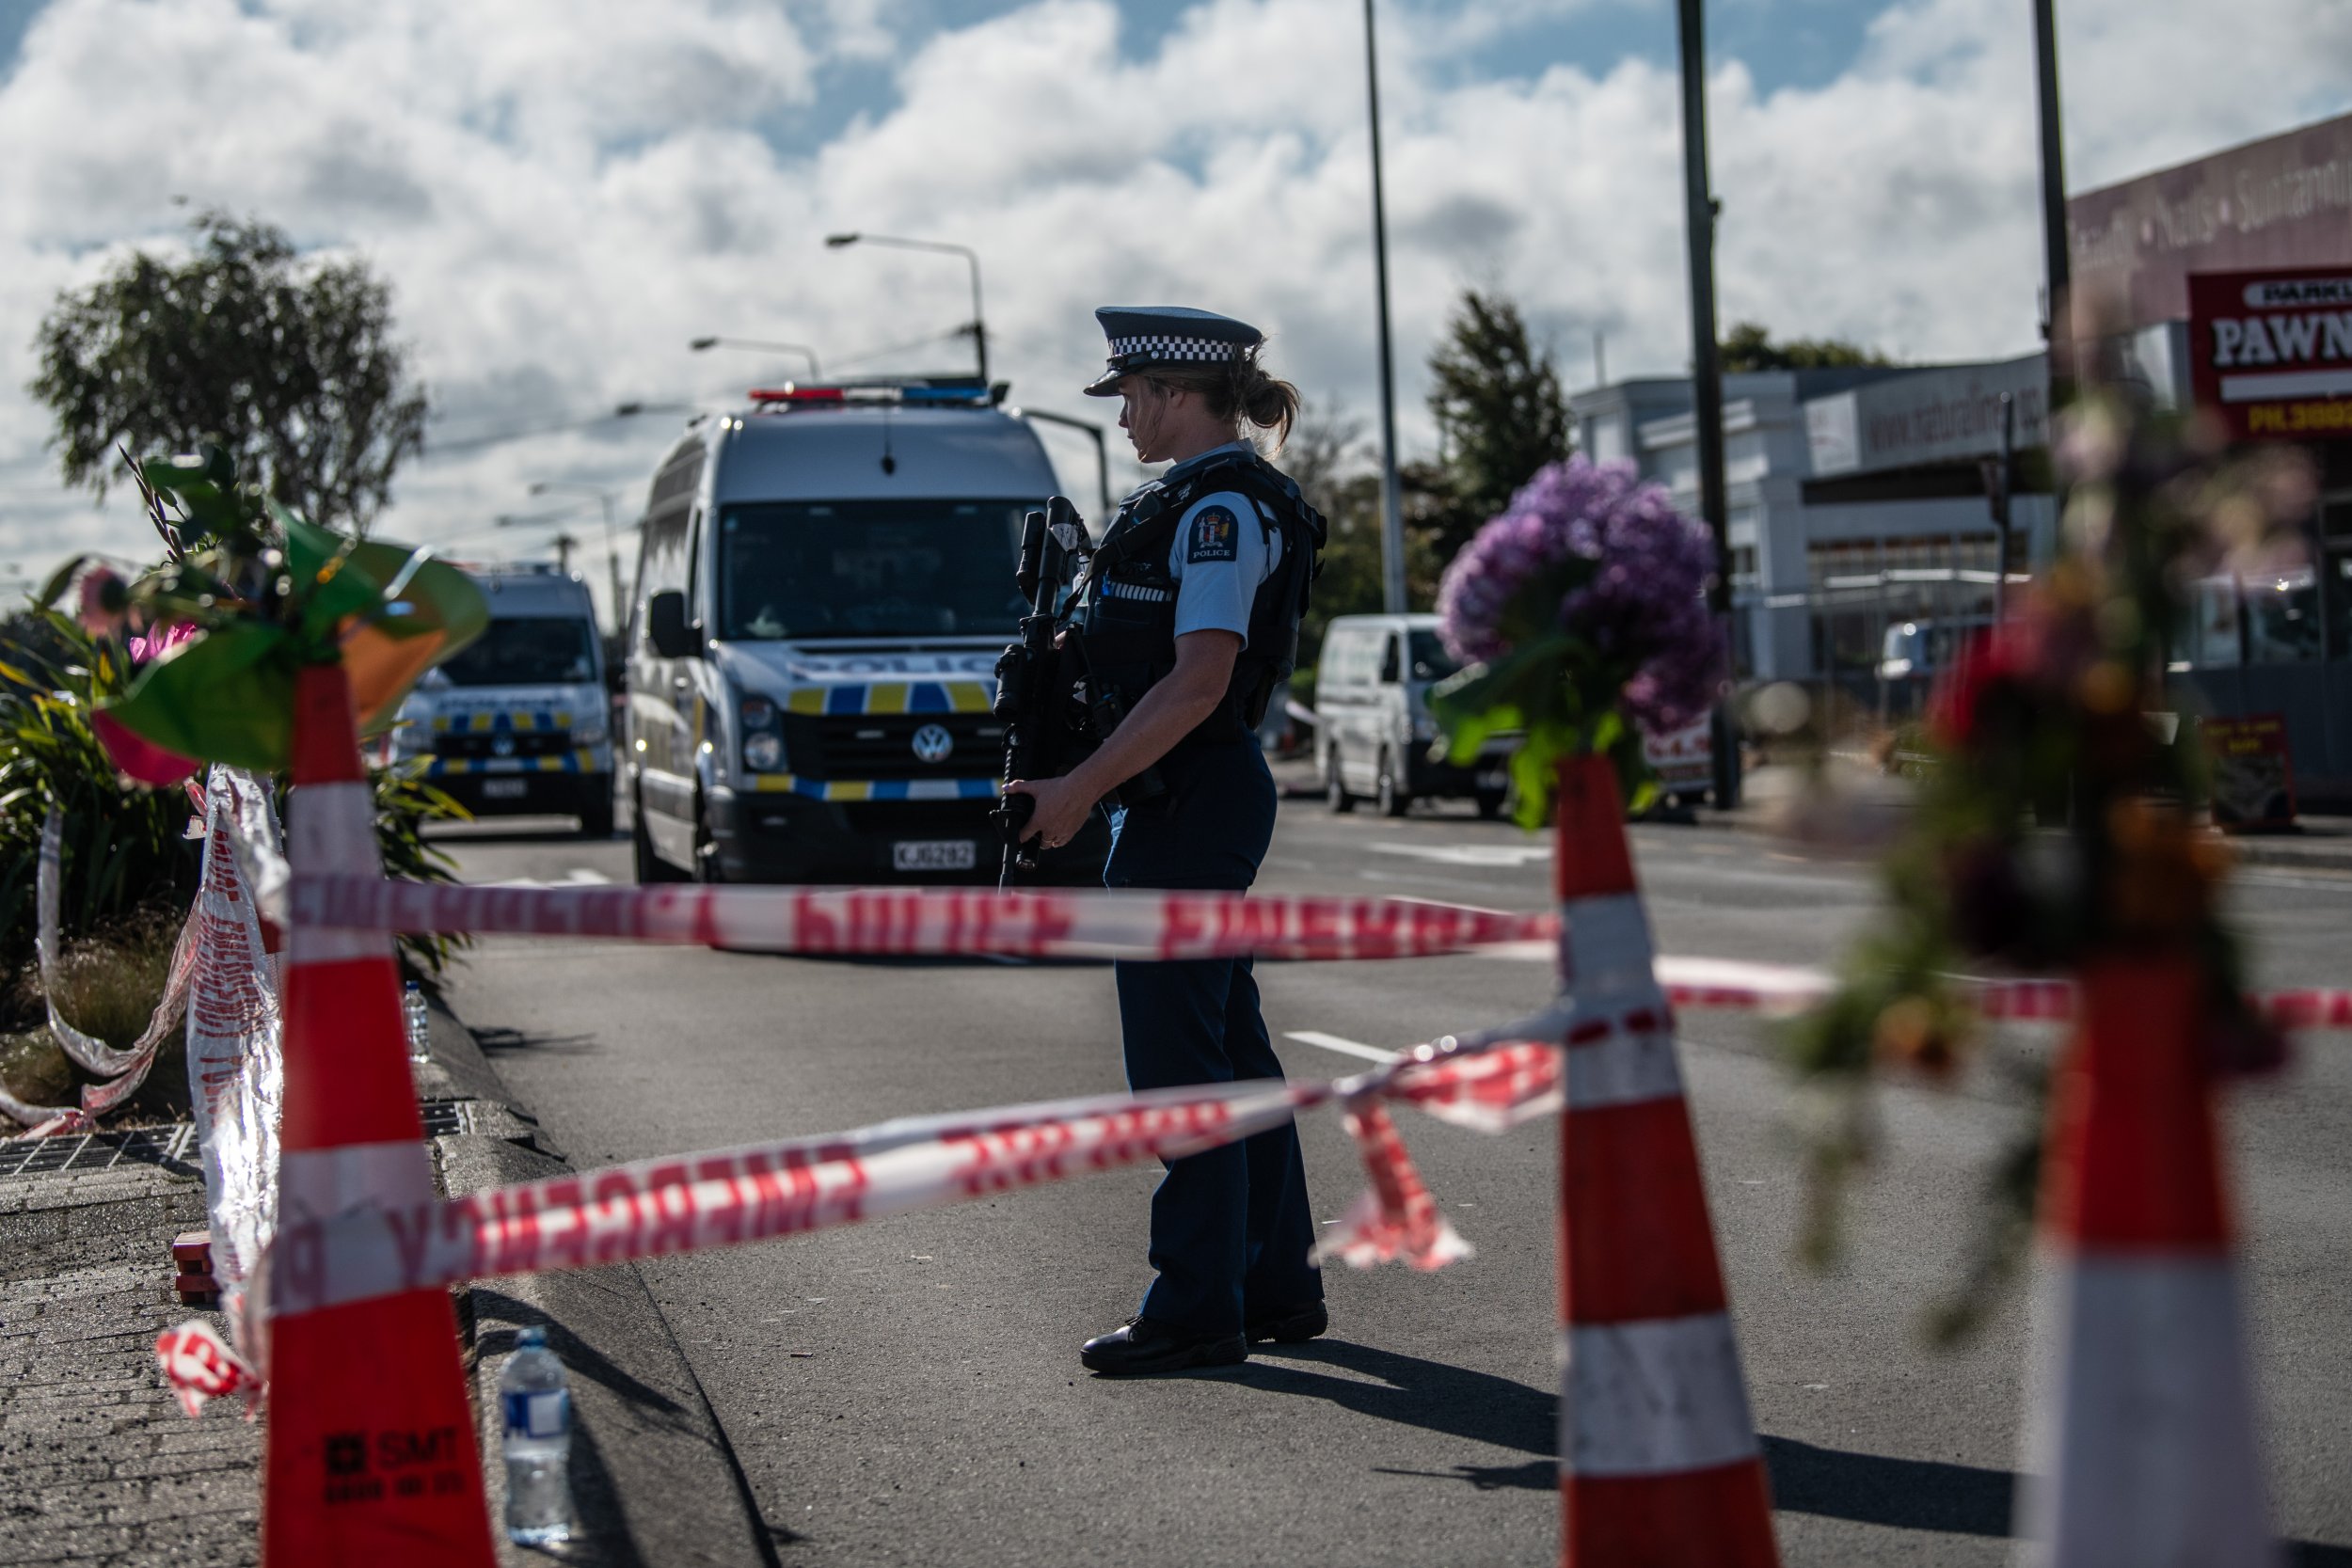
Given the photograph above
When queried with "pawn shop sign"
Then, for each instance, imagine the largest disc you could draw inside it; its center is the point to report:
(2271, 352)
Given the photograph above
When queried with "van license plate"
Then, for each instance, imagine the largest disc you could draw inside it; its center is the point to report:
(504, 789)
(933, 854)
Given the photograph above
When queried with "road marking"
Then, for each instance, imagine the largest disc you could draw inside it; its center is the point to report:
(1344, 1047)
(1500, 856)
(577, 876)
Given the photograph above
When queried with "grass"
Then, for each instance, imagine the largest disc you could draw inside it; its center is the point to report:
(34, 1071)
(107, 984)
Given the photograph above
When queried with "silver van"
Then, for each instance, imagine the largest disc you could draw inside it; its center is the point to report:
(824, 582)
(1374, 734)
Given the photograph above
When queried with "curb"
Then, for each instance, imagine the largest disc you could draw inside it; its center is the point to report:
(654, 1478)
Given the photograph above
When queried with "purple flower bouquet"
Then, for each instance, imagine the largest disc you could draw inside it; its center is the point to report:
(1579, 614)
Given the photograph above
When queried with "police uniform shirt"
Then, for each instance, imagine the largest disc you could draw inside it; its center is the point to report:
(1222, 554)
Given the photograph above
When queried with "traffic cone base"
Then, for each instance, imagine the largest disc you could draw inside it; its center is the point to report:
(1720, 1517)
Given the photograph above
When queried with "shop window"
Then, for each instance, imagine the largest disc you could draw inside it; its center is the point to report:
(2282, 617)
(2213, 629)
(2336, 576)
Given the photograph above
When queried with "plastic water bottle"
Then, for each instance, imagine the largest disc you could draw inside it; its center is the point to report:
(536, 1399)
(419, 1021)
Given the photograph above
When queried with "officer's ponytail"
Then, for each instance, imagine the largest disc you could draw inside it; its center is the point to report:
(1238, 390)
(1266, 401)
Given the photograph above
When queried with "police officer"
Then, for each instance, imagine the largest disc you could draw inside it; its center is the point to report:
(1189, 611)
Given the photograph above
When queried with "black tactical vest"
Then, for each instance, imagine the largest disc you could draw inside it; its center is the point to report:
(1127, 601)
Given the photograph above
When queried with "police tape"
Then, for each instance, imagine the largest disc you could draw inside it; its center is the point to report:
(927, 922)
(726, 1197)
(1734, 985)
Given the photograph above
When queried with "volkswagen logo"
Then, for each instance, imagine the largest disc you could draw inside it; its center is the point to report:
(503, 746)
(932, 743)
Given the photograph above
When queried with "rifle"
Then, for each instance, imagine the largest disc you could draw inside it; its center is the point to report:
(1047, 730)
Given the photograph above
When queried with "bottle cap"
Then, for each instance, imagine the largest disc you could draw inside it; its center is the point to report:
(413, 986)
(533, 1338)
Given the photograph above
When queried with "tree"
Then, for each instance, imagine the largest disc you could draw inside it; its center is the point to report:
(1324, 454)
(1500, 416)
(1749, 347)
(290, 365)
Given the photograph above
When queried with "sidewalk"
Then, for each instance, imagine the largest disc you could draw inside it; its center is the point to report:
(100, 1467)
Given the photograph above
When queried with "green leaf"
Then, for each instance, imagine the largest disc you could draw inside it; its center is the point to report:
(437, 597)
(227, 696)
(57, 580)
(194, 481)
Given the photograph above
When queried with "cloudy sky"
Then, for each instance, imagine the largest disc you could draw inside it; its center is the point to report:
(563, 192)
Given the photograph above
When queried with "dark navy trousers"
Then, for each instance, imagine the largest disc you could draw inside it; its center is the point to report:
(1231, 1229)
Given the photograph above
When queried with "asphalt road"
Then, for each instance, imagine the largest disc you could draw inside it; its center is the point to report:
(909, 1391)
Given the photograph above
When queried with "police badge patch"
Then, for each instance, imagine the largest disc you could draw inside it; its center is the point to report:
(1214, 536)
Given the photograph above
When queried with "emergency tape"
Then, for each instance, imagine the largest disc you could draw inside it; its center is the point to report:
(929, 922)
(1782, 989)
(725, 1197)
(119, 1071)
(1111, 924)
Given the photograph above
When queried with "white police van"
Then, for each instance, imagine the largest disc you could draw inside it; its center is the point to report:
(825, 579)
(519, 721)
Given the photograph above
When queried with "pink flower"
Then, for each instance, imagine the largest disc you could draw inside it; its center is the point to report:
(140, 759)
(159, 641)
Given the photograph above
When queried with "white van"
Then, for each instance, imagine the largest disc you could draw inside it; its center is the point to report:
(518, 720)
(1373, 729)
(825, 581)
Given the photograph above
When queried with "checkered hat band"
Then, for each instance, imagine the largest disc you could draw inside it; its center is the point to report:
(1158, 346)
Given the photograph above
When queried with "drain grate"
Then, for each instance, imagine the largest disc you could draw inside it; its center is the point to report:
(444, 1118)
(170, 1148)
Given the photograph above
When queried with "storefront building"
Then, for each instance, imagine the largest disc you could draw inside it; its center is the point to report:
(1862, 500)
(2241, 265)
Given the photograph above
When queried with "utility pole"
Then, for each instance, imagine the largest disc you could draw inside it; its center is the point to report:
(2057, 326)
(1707, 382)
(564, 543)
(1392, 498)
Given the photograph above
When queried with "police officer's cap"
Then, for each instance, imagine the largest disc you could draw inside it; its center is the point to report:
(1146, 336)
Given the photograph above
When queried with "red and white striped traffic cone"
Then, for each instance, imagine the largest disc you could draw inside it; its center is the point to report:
(2144, 1450)
(371, 1456)
(1658, 1461)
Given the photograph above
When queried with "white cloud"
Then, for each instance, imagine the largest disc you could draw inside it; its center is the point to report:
(563, 195)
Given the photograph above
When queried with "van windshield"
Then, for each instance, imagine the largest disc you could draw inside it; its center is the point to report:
(877, 568)
(538, 650)
(1430, 663)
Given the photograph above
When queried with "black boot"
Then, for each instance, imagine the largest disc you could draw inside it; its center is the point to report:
(1288, 1325)
(1142, 1348)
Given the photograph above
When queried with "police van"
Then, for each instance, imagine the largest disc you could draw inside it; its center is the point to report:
(825, 579)
(519, 721)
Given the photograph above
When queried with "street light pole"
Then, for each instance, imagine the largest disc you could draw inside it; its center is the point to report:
(762, 345)
(1391, 499)
(979, 320)
(2057, 326)
(1706, 380)
(612, 533)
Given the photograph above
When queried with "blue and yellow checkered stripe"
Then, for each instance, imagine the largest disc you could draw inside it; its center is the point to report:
(874, 789)
(583, 760)
(542, 721)
(890, 697)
